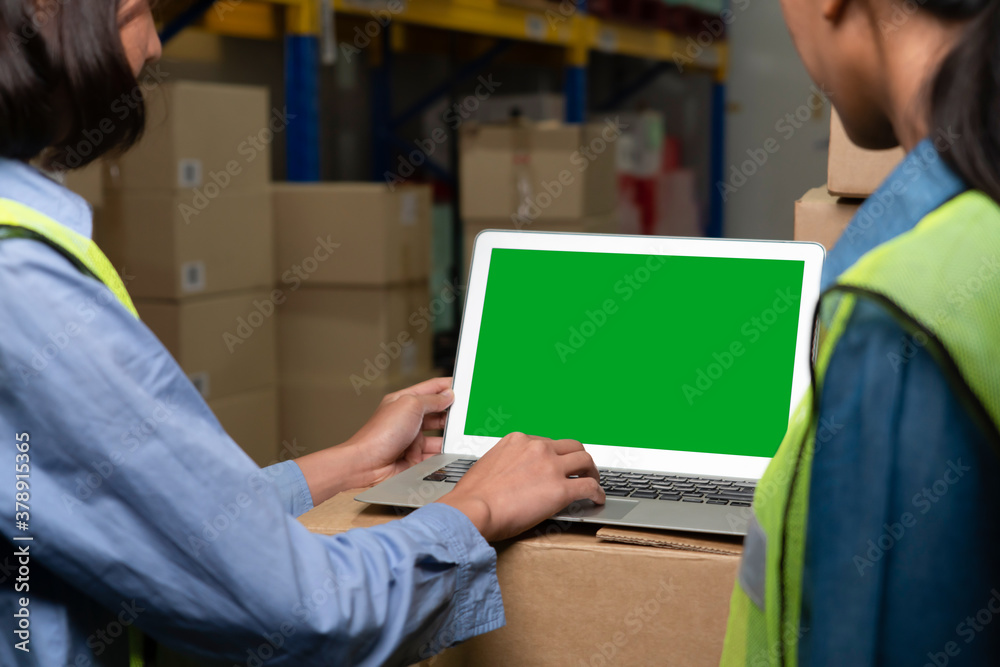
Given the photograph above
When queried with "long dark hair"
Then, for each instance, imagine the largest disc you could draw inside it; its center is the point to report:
(62, 70)
(965, 94)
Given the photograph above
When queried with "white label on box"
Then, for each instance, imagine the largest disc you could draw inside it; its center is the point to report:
(189, 173)
(200, 382)
(607, 40)
(534, 26)
(409, 209)
(193, 276)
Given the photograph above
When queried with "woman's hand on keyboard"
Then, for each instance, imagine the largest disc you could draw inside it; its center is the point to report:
(522, 481)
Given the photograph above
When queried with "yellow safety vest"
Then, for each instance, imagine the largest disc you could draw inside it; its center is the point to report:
(20, 221)
(940, 282)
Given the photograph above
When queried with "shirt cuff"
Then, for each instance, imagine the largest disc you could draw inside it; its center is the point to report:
(478, 603)
(291, 484)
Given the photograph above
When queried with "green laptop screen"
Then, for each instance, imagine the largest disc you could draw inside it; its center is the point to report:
(661, 352)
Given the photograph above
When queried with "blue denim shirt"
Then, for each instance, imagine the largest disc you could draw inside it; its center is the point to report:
(143, 510)
(903, 542)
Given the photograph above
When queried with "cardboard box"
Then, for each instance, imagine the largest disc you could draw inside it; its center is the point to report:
(208, 137)
(577, 596)
(606, 224)
(171, 250)
(383, 237)
(334, 333)
(251, 419)
(822, 218)
(853, 171)
(495, 108)
(316, 414)
(225, 344)
(566, 171)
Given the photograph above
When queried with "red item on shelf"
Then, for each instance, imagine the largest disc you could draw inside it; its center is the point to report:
(645, 200)
(672, 158)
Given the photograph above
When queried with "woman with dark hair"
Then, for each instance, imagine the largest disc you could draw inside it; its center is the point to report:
(877, 526)
(131, 507)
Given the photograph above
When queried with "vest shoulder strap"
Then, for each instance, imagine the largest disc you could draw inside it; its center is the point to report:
(10, 232)
(20, 221)
(941, 281)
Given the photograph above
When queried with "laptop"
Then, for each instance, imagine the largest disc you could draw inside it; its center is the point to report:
(677, 362)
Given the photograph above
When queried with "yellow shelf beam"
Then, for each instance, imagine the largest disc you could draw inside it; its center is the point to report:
(652, 44)
(255, 20)
(579, 33)
(481, 18)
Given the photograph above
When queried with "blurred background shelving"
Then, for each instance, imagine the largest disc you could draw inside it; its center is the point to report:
(362, 87)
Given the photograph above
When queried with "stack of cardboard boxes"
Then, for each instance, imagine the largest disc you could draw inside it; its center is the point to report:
(537, 176)
(187, 222)
(353, 263)
(853, 173)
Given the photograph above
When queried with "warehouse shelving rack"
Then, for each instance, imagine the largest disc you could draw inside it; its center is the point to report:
(308, 30)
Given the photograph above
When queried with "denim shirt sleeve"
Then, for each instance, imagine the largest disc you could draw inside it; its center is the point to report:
(904, 524)
(291, 486)
(176, 519)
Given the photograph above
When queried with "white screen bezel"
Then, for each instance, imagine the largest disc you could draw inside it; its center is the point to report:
(693, 463)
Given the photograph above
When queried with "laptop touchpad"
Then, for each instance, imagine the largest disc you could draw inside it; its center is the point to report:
(612, 510)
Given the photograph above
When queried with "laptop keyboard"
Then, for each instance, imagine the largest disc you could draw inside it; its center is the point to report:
(652, 486)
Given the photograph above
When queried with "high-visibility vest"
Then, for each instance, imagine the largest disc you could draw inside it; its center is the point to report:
(20, 221)
(941, 282)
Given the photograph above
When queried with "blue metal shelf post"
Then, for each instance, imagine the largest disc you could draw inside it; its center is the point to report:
(716, 207)
(576, 93)
(575, 81)
(302, 100)
(381, 100)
